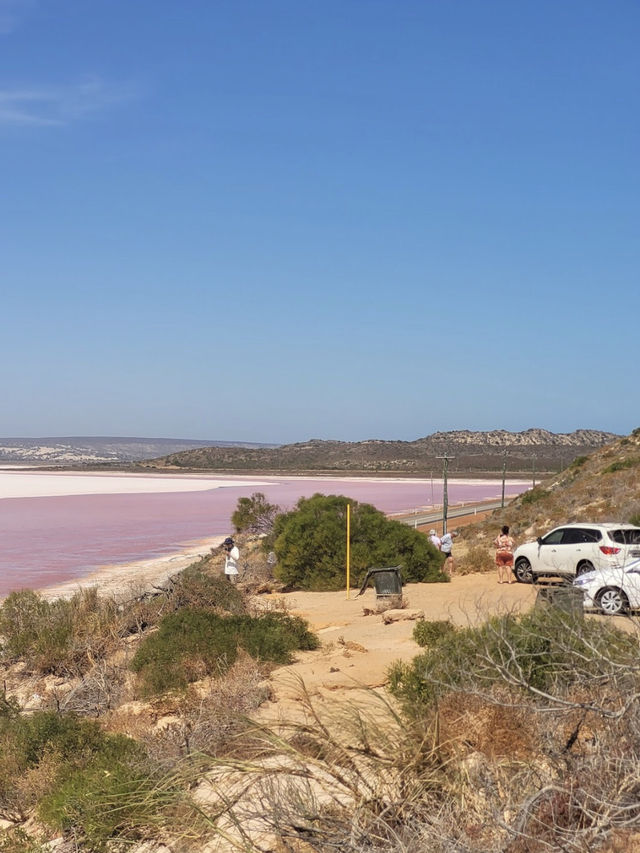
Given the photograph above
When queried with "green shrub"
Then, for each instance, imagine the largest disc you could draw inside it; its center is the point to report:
(578, 462)
(197, 590)
(81, 780)
(188, 645)
(192, 644)
(38, 751)
(254, 514)
(544, 650)
(534, 495)
(634, 519)
(70, 738)
(621, 465)
(9, 708)
(427, 634)
(273, 636)
(310, 545)
(108, 801)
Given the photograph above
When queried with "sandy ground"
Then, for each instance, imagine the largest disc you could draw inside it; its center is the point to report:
(358, 648)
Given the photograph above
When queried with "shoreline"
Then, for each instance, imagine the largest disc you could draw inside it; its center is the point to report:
(117, 579)
(118, 574)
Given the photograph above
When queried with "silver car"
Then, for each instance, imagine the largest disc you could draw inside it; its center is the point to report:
(613, 590)
(573, 549)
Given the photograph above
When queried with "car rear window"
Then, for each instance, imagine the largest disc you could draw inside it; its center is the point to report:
(625, 537)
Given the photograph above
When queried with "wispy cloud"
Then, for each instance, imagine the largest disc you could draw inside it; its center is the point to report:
(59, 105)
(12, 13)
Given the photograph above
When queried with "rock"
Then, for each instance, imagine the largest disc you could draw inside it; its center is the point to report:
(406, 615)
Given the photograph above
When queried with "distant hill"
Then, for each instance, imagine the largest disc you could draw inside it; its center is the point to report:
(601, 486)
(473, 452)
(92, 450)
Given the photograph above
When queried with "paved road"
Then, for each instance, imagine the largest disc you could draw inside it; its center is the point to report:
(419, 518)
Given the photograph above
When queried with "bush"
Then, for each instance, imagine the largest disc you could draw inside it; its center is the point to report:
(274, 636)
(63, 637)
(427, 634)
(39, 751)
(578, 462)
(621, 465)
(188, 645)
(545, 650)
(254, 514)
(477, 559)
(634, 519)
(111, 800)
(310, 545)
(192, 644)
(197, 590)
(534, 495)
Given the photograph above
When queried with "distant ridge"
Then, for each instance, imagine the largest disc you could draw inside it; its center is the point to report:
(474, 452)
(527, 438)
(77, 450)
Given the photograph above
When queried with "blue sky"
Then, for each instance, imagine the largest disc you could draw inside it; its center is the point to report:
(283, 219)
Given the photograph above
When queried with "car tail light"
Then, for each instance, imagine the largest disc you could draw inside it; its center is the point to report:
(608, 550)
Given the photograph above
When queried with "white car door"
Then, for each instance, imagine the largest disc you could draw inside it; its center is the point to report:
(552, 555)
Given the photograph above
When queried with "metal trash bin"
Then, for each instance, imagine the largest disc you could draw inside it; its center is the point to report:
(387, 582)
(566, 598)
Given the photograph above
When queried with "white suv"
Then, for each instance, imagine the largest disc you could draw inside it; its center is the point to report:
(576, 548)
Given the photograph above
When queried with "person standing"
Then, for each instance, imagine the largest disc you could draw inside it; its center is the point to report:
(434, 539)
(504, 545)
(232, 555)
(446, 546)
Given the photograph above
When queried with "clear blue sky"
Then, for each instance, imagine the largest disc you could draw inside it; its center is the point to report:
(270, 220)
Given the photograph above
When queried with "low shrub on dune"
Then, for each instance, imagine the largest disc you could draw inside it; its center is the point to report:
(192, 644)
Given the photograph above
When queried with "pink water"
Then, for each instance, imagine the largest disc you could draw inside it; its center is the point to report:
(47, 540)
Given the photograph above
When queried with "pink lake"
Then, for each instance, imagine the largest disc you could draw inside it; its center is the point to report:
(48, 540)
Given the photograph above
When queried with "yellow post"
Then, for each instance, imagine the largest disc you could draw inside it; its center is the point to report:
(348, 545)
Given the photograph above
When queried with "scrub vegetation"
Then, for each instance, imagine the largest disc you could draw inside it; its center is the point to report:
(521, 735)
(310, 545)
(601, 487)
(192, 644)
(130, 724)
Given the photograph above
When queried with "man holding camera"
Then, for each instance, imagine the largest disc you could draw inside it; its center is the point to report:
(231, 557)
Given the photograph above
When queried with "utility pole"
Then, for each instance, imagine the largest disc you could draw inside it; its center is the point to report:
(533, 471)
(445, 496)
(504, 471)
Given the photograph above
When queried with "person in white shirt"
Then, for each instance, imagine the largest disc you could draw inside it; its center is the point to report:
(446, 546)
(434, 539)
(232, 555)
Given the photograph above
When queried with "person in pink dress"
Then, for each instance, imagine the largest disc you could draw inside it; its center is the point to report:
(504, 545)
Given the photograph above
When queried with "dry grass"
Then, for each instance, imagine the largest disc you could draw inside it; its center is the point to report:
(477, 558)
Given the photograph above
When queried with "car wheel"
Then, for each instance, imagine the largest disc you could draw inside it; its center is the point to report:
(612, 601)
(586, 566)
(522, 570)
